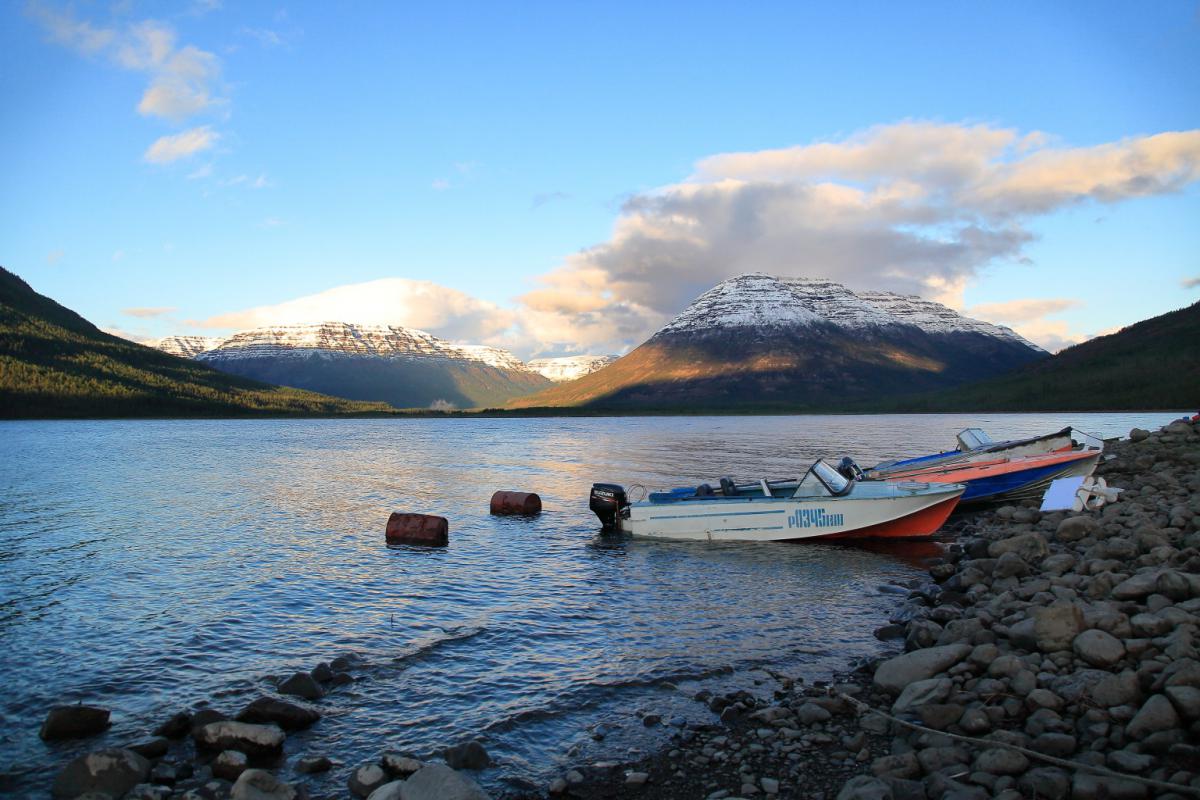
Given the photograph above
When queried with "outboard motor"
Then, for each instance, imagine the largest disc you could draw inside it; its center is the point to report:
(606, 502)
(849, 470)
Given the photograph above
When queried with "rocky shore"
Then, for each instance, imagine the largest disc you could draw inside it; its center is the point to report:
(1046, 656)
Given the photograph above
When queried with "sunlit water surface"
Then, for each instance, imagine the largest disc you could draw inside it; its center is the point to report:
(149, 566)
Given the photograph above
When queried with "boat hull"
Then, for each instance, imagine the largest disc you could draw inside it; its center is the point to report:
(905, 516)
(1009, 480)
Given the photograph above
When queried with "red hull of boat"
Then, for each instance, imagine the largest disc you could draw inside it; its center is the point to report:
(920, 525)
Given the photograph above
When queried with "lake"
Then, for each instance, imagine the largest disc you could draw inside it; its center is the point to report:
(151, 566)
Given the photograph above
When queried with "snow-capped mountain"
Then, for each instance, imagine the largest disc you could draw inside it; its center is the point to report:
(402, 366)
(756, 341)
(569, 368)
(762, 301)
(188, 346)
(344, 339)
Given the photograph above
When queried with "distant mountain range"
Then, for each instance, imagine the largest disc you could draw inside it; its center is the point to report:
(757, 342)
(752, 343)
(54, 363)
(404, 367)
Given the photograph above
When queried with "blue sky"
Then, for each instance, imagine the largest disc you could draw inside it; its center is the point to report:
(518, 174)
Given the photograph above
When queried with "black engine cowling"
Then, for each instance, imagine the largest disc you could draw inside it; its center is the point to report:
(606, 502)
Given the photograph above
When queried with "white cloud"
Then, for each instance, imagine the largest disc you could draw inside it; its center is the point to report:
(1028, 317)
(137, 337)
(182, 79)
(54, 256)
(441, 185)
(181, 145)
(148, 313)
(1191, 283)
(915, 207)
(424, 305)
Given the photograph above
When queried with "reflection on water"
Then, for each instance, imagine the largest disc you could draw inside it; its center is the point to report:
(148, 566)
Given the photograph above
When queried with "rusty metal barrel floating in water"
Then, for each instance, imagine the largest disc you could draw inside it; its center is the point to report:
(422, 529)
(523, 503)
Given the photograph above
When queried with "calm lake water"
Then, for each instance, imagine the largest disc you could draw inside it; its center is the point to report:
(150, 566)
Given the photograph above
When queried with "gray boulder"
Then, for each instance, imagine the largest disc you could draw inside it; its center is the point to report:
(439, 782)
(73, 722)
(919, 693)
(258, 784)
(400, 764)
(468, 755)
(245, 737)
(864, 787)
(896, 673)
(113, 772)
(289, 716)
(1156, 714)
(389, 791)
(1186, 700)
(1073, 529)
(1056, 626)
(302, 685)
(1098, 648)
(229, 765)
(1029, 546)
(365, 779)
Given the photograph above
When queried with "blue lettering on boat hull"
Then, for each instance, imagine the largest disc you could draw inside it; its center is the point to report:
(813, 518)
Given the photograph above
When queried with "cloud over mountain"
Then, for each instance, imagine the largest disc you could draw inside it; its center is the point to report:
(913, 207)
(424, 305)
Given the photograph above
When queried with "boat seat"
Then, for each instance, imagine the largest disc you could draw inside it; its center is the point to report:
(728, 487)
(704, 490)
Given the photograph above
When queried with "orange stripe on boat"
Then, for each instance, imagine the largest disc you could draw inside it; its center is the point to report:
(920, 525)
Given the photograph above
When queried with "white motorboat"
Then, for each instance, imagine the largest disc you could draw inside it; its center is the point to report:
(823, 504)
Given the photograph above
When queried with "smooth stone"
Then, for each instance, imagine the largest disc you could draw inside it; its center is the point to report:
(246, 737)
(399, 764)
(113, 772)
(310, 765)
(1029, 546)
(365, 779)
(864, 787)
(1049, 783)
(1056, 626)
(919, 693)
(439, 782)
(178, 726)
(73, 722)
(468, 755)
(1156, 714)
(811, 713)
(303, 685)
(229, 765)
(896, 673)
(1186, 700)
(289, 716)
(389, 791)
(1098, 648)
(150, 748)
(258, 784)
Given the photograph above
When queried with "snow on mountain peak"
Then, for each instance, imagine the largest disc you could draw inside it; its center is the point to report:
(336, 340)
(568, 368)
(755, 300)
(752, 300)
(188, 346)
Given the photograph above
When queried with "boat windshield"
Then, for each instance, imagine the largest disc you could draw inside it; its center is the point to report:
(973, 439)
(822, 479)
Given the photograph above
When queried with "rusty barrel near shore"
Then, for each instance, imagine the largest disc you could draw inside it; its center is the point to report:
(422, 529)
(523, 503)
